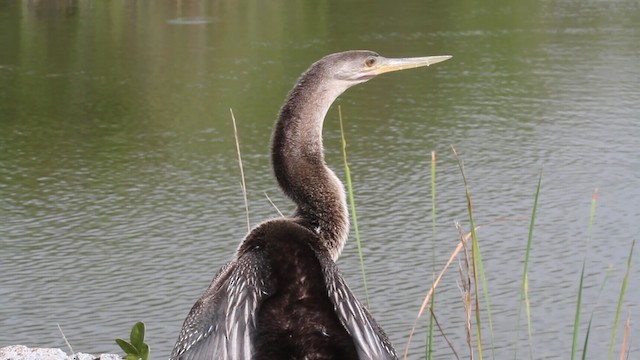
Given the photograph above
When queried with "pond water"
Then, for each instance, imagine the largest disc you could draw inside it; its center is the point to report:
(120, 186)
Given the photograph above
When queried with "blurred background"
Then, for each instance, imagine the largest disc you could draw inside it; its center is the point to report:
(120, 189)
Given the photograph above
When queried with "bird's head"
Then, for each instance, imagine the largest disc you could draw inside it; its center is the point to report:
(357, 66)
(333, 74)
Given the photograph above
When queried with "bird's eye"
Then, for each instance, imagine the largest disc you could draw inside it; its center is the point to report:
(370, 61)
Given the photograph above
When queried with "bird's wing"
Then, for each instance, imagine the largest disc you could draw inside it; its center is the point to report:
(220, 323)
(370, 340)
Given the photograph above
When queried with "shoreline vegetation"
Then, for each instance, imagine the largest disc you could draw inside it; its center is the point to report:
(474, 288)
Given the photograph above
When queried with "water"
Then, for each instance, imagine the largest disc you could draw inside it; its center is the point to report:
(120, 186)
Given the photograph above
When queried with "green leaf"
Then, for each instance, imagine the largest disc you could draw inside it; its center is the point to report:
(132, 357)
(144, 352)
(137, 335)
(126, 347)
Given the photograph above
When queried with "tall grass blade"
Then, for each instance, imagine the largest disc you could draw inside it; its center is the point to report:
(65, 339)
(432, 318)
(274, 205)
(619, 309)
(244, 186)
(467, 294)
(431, 328)
(474, 251)
(625, 339)
(427, 298)
(592, 213)
(352, 203)
(528, 307)
(433, 206)
(576, 321)
(524, 293)
(478, 267)
(586, 338)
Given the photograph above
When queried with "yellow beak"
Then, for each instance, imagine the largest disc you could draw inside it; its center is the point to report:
(385, 65)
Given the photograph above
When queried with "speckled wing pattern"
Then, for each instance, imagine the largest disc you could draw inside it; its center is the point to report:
(220, 324)
(370, 340)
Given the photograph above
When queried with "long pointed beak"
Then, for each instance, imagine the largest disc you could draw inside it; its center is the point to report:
(387, 65)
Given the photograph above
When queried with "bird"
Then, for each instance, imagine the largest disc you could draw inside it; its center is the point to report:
(283, 296)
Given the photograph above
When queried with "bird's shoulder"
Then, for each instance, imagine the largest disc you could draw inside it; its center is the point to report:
(276, 235)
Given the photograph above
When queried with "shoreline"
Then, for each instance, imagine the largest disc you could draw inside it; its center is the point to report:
(21, 352)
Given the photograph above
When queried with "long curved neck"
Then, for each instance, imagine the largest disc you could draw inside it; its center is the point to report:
(298, 161)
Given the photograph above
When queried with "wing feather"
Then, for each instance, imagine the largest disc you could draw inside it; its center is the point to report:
(370, 340)
(220, 323)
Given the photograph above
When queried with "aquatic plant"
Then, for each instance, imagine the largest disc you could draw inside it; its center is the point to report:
(136, 349)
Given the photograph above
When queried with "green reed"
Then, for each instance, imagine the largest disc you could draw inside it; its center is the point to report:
(352, 204)
(524, 290)
(477, 274)
(478, 267)
(432, 318)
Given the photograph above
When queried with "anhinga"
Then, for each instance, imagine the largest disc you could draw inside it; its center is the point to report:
(283, 297)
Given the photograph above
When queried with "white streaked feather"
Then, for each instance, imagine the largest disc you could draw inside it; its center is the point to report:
(220, 325)
(371, 342)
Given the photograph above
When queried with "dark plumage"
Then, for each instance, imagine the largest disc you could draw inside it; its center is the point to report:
(283, 297)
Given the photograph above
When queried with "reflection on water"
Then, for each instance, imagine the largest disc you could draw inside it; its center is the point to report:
(120, 189)
(191, 21)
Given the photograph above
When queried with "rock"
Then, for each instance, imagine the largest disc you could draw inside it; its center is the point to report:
(21, 352)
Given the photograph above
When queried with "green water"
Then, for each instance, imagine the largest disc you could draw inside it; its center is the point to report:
(120, 188)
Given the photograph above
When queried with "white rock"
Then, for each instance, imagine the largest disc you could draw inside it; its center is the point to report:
(21, 352)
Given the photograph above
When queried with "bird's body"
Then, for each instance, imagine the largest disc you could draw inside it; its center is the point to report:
(298, 320)
(283, 297)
